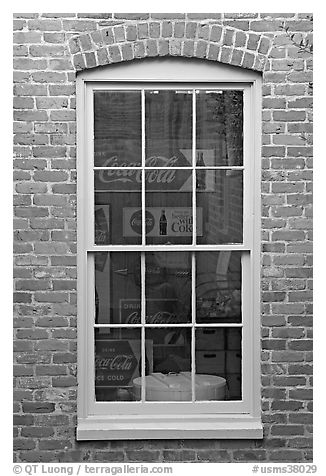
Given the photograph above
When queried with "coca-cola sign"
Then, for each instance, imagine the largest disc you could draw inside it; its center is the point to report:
(129, 179)
(179, 221)
(158, 311)
(135, 222)
(116, 362)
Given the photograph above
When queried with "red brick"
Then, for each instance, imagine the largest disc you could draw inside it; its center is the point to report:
(301, 394)
(29, 115)
(287, 430)
(51, 345)
(286, 455)
(165, 16)
(54, 444)
(132, 16)
(250, 455)
(47, 223)
(37, 432)
(48, 151)
(36, 456)
(51, 370)
(51, 297)
(142, 455)
(108, 456)
(44, 25)
(22, 297)
(29, 64)
(68, 381)
(32, 285)
(38, 407)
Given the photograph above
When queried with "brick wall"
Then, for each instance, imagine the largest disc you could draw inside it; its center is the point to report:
(48, 49)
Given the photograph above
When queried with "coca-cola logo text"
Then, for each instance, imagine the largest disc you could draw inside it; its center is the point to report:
(160, 317)
(118, 362)
(136, 222)
(129, 175)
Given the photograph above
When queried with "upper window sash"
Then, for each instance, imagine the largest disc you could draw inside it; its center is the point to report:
(90, 169)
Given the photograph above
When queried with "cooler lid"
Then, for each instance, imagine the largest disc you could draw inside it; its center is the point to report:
(179, 381)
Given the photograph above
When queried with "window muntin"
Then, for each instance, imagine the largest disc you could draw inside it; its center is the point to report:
(179, 166)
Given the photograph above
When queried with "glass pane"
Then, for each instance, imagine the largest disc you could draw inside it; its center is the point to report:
(220, 196)
(117, 207)
(218, 353)
(117, 128)
(168, 287)
(218, 286)
(117, 287)
(117, 363)
(171, 350)
(168, 128)
(169, 206)
(219, 128)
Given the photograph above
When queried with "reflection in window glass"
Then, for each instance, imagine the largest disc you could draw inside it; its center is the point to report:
(218, 352)
(168, 287)
(117, 128)
(219, 128)
(168, 128)
(220, 196)
(218, 286)
(117, 288)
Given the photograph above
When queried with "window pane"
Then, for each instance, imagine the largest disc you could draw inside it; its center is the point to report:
(220, 196)
(170, 354)
(219, 128)
(117, 288)
(117, 207)
(117, 128)
(168, 287)
(218, 286)
(117, 363)
(169, 206)
(168, 128)
(218, 352)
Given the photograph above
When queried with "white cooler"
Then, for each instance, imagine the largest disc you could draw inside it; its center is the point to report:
(177, 387)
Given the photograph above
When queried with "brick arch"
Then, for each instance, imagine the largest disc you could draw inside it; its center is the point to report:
(210, 41)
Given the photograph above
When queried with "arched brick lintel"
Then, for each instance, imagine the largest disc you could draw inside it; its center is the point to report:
(131, 41)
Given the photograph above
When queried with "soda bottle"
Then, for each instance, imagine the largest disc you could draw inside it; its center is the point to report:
(201, 173)
(163, 223)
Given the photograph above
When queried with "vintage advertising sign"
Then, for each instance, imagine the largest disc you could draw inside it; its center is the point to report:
(158, 311)
(178, 221)
(116, 362)
(129, 179)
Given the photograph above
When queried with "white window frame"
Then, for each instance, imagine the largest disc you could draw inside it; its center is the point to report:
(141, 420)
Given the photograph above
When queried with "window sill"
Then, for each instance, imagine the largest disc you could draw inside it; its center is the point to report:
(117, 427)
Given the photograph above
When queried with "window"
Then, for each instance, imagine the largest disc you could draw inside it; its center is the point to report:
(168, 251)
